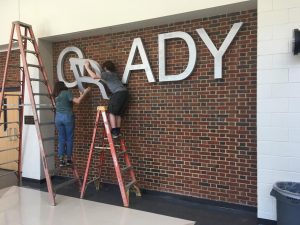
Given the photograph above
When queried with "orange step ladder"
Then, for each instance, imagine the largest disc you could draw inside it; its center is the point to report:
(22, 34)
(119, 155)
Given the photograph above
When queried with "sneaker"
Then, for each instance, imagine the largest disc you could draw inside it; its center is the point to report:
(69, 162)
(114, 133)
(61, 163)
(115, 136)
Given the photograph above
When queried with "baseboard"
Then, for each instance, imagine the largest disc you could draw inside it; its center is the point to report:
(33, 181)
(265, 222)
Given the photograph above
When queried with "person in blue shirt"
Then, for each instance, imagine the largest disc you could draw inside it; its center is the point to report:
(118, 100)
(65, 120)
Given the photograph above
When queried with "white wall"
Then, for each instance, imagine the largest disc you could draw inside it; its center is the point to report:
(57, 17)
(278, 80)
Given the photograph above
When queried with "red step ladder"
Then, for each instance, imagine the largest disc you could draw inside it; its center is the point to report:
(119, 155)
(22, 34)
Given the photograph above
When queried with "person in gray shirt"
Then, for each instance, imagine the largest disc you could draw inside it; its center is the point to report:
(118, 100)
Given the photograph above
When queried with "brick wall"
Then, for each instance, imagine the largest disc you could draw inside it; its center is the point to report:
(195, 137)
(13, 73)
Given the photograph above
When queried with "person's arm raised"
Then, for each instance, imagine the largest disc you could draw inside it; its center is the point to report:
(77, 100)
(91, 73)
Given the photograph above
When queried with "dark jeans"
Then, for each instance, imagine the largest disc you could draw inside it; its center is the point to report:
(65, 124)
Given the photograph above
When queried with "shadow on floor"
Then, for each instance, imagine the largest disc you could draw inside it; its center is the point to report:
(159, 203)
(155, 202)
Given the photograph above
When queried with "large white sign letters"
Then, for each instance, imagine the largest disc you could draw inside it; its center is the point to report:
(137, 47)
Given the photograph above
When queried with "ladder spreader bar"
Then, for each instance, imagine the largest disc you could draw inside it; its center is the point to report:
(126, 168)
(127, 186)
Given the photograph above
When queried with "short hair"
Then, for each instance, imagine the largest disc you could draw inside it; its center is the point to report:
(109, 65)
(58, 87)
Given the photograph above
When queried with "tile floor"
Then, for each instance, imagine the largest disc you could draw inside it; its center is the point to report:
(24, 206)
(158, 203)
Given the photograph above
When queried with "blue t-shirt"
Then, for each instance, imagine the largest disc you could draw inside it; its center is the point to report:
(64, 102)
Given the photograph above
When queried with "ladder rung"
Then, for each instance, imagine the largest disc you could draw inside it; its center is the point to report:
(41, 94)
(121, 153)
(127, 186)
(5, 174)
(12, 94)
(31, 52)
(46, 123)
(36, 79)
(27, 38)
(49, 139)
(57, 187)
(9, 123)
(44, 108)
(11, 109)
(8, 149)
(126, 168)
(14, 81)
(11, 161)
(33, 65)
(10, 136)
(16, 40)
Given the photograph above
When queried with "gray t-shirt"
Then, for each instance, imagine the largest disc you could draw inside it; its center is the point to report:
(113, 82)
(64, 102)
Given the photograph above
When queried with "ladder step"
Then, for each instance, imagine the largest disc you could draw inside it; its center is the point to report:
(9, 149)
(31, 52)
(46, 123)
(15, 40)
(126, 168)
(49, 139)
(11, 161)
(33, 65)
(22, 24)
(45, 108)
(9, 123)
(10, 136)
(129, 185)
(66, 183)
(5, 174)
(27, 38)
